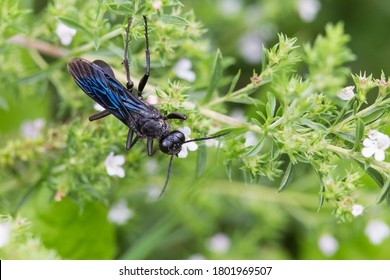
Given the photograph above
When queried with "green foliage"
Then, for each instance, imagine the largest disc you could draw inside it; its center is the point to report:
(297, 135)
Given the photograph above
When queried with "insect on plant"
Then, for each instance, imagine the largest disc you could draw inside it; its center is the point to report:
(98, 81)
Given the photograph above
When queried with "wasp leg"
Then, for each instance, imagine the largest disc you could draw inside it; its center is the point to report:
(129, 84)
(175, 115)
(99, 115)
(150, 146)
(130, 141)
(144, 79)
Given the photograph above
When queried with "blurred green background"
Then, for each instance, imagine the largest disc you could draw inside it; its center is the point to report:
(204, 216)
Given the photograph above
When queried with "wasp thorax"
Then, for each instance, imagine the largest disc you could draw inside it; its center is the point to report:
(171, 144)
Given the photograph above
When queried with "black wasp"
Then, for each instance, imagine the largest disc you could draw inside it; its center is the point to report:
(98, 81)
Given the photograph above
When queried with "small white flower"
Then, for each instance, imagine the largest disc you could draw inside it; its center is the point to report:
(98, 107)
(219, 243)
(32, 129)
(346, 93)
(113, 165)
(65, 33)
(183, 70)
(357, 210)
(308, 9)
(377, 231)
(157, 5)
(376, 144)
(328, 245)
(4, 234)
(120, 213)
(250, 47)
(152, 100)
(191, 146)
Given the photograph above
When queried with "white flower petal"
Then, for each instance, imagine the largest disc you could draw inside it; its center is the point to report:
(368, 151)
(192, 146)
(376, 144)
(183, 153)
(152, 99)
(32, 129)
(357, 210)
(328, 245)
(377, 231)
(120, 172)
(120, 213)
(368, 142)
(186, 131)
(119, 160)
(308, 9)
(346, 93)
(219, 243)
(65, 33)
(379, 155)
(113, 165)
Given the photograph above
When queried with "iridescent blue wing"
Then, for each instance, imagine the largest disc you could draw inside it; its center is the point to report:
(102, 87)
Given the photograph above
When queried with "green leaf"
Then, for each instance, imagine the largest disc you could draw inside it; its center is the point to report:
(174, 20)
(257, 148)
(74, 24)
(372, 115)
(286, 177)
(375, 175)
(73, 233)
(123, 7)
(215, 77)
(359, 133)
(233, 132)
(246, 100)
(234, 82)
(313, 125)
(271, 105)
(384, 192)
(346, 136)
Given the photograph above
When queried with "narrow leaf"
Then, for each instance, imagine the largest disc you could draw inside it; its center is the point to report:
(257, 148)
(234, 82)
(271, 105)
(375, 175)
(384, 192)
(74, 24)
(359, 133)
(372, 115)
(233, 132)
(313, 125)
(286, 177)
(174, 20)
(215, 77)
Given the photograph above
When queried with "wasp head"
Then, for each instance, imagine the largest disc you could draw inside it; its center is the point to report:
(172, 142)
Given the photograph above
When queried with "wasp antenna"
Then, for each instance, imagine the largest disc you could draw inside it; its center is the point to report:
(207, 138)
(168, 175)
